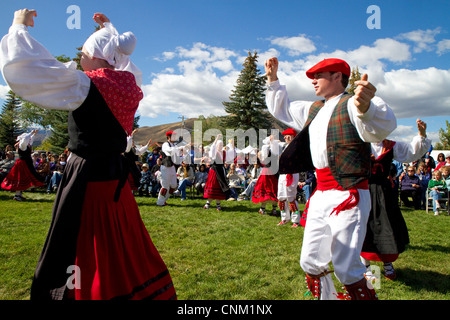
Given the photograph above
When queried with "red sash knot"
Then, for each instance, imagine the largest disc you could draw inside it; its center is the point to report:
(326, 181)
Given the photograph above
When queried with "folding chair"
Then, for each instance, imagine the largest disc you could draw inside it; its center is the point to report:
(445, 200)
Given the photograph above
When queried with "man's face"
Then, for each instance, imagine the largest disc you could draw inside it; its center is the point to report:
(326, 84)
(288, 138)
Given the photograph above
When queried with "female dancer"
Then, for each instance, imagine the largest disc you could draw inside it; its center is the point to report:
(216, 187)
(266, 187)
(23, 175)
(387, 234)
(96, 229)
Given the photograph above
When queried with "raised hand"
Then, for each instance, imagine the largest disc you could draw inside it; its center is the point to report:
(25, 16)
(422, 127)
(100, 18)
(271, 68)
(364, 92)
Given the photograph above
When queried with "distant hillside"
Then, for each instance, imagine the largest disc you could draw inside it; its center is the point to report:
(158, 133)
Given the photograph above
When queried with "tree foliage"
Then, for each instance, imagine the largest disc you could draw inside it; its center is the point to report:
(354, 76)
(444, 138)
(10, 126)
(247, 107)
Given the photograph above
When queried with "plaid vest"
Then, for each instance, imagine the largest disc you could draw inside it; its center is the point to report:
(348, 155)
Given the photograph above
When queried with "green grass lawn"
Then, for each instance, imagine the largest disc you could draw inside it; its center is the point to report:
(236, 254)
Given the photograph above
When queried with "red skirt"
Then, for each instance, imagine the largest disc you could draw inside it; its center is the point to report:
(212, 187)
(20, 178)
(115, 256)
(372, 256)
(266, 188)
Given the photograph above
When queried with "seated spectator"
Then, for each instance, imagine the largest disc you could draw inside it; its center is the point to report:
(445, 163)
(153, 157)
(254, 175)
(410, 187)
(58, 171)
(440, 161)
(306, 183)
(7, 164)
(200, 178)
(438, 189)
(156, 183)
(424, 178)
(145, 181)
(446, 176)
(240, 169)
(185, 176)
(3, 153)
(36, 159)
(43, 168)
(233, 181)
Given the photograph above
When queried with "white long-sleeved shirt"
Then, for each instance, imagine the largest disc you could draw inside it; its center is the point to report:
(171, 150)
(36, 76)
(405, 152)
(373, 126)
(25, 139)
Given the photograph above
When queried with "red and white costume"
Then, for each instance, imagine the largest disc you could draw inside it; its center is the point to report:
(287, 191)
(96, 228)
(23, 175)
(328, 237)
(169, 181)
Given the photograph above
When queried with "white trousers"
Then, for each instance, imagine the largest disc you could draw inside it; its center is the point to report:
(288, 194)
(168, 180)
(336, 238)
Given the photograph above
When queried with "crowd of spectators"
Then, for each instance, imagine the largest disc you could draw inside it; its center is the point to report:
(49, 166)
(412, 180)
(415, 179)
(242, 172)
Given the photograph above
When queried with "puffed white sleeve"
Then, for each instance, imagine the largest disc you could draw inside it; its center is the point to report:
(410, 152)
(294, 114)
(25, 139)
(376, 124)
(36, 76)
(141, 150)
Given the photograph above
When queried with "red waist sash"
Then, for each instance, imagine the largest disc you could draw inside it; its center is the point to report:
(326, 181)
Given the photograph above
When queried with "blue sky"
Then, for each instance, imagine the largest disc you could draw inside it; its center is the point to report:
(191, 52)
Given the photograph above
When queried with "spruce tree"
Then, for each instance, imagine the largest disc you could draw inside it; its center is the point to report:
(247, 106)
(10, 126)
(354, 76)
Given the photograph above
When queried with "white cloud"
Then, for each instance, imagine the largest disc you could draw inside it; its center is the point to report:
(202, 77)
(206, 75)
(423, 39)
(296, 45)
(417, 93)
(4, 91)
(443, 46)
(406, 134)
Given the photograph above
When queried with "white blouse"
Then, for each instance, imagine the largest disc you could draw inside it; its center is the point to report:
(405, 152)
(25, 139)
(373, 126)
(36, 76)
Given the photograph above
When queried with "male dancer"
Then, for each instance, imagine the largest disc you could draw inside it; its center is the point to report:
(169, 183)
(335, 140)
(287, 189)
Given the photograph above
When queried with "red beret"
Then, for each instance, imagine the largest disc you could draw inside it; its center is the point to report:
(169, 133)
(336, 65)
(289, 132)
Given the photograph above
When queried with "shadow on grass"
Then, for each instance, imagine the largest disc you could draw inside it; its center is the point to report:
(198, 203)
(419, 280)
(430, 247)
(9, 197)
